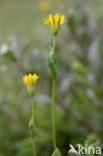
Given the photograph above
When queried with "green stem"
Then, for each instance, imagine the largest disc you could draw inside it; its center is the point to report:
(32, 102)
(53, 105)
(34, 147)
(53, 115)
(33, 141)
(54, 43)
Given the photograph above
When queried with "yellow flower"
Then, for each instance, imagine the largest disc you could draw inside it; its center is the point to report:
(44, 5)
(55, 22)
(30, 81)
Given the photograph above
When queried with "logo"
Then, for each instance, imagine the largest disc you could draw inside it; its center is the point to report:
(85, 150)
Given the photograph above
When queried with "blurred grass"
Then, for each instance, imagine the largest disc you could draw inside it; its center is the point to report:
(24, 18)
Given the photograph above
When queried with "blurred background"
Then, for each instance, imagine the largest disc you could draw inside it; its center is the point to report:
(24, 48)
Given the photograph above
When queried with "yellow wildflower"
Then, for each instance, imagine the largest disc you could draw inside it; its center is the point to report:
(44, 5)
(55, 22)
(30, 81)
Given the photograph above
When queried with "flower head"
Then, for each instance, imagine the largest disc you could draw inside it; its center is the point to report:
(55, 22)
(30, 82)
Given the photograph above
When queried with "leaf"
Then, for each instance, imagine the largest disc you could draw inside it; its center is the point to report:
(52, 65)
(32, 128)
(10, 56)
(56, 153)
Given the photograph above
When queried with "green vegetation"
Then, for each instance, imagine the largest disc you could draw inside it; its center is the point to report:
(24, 41)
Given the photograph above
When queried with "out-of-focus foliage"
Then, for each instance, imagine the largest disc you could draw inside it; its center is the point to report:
(24, 48)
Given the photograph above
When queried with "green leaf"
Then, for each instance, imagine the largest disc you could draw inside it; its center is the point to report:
(32, 129)
(56, 153)
(10, 56)
(52, 65)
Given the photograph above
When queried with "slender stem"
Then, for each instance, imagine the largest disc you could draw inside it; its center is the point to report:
(33, 141)
(53, 105)
(54, 43)
(34, 146)
(32, 102)
(53, 115)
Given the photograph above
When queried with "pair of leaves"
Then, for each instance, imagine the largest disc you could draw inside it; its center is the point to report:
(56, 153)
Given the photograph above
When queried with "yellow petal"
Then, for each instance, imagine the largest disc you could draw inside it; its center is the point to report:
(56, 19)
(30, 76)
(25, 80)
(46, 21)
(30, 79)
(35, 78)
(61, 20)
(51, 20)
